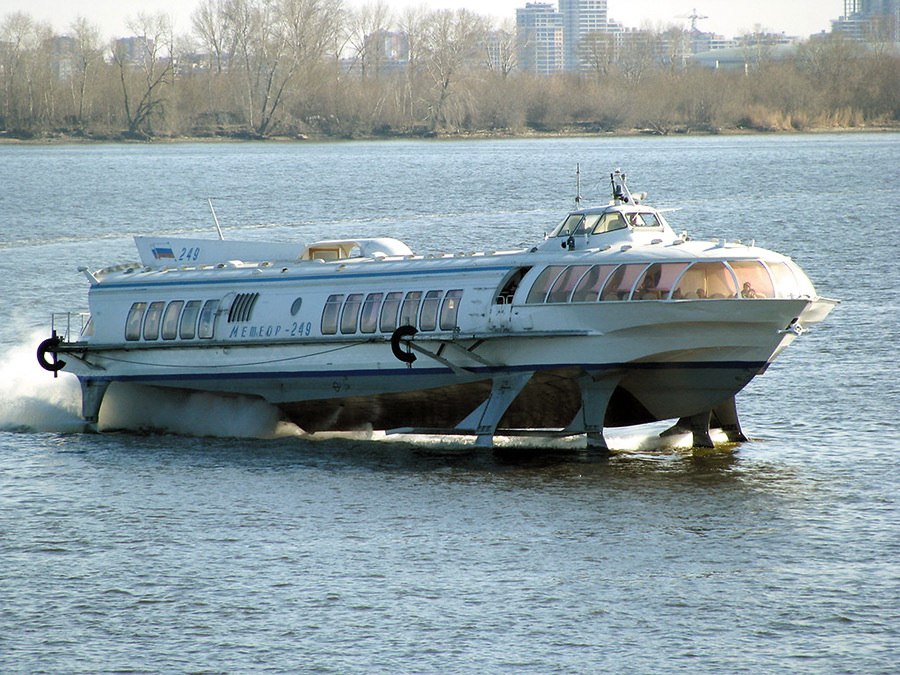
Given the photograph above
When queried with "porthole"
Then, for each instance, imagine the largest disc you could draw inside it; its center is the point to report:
(295, 307)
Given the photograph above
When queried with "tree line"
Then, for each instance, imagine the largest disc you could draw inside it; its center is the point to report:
(262, 68)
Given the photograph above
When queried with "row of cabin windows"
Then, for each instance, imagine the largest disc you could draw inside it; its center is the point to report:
(176, 319)
(385, 312)
(663, 281)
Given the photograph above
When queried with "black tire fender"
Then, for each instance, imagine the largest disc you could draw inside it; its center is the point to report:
(403, 332)
(49, 346)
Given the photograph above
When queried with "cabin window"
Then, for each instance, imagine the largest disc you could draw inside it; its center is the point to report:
(388, 319)
(565, 282)
(152, 319)
(428, 319)
(331, 313)
(368, 320)
(207, 326)
(542, 284)
(410, 308)
(450, 309)
(785, 282)
(170, 320)
(134, 321)
(609, 222)
(620, 282)
(295, 306)
(753, 279)
(705, 280)
(657, 281)
(350, 313)
(188, 327)
(588, 288)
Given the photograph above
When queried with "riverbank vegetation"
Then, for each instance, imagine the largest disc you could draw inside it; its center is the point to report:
(312, 68)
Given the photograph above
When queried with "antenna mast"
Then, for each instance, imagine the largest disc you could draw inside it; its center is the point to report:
(577, 185)
(215, 218)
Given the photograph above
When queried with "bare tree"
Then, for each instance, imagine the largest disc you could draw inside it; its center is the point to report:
(211, 21)
(87, 59)
(145, 65)
(366, 28)
(451, 47)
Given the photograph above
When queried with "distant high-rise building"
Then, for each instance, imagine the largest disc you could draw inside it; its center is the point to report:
(868, 20)
(539, 38)
(580, 19)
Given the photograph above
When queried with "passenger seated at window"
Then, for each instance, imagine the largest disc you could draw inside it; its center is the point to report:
(748, 292)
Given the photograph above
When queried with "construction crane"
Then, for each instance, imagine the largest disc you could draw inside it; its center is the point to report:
(694, 17)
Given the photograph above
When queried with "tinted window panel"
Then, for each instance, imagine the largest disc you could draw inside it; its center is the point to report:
(350, 313)
(368, 321)
(330, 314)
(450, 309)
(410, 309)
(588, 288)
(207, 326)
(753, 279)
(542, 284)
(188, 327)
(620, 282)
(170, 320)
(565, 282)
(134, 321)
(388, 320)
(152, 319)
(428, 320)
(657, 281)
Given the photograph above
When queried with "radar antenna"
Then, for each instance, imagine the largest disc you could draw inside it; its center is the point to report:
(620, 191)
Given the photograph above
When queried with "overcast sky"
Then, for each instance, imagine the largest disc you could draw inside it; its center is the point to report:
(726, 17)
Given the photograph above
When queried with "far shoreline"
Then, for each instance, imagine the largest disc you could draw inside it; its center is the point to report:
(65, 138)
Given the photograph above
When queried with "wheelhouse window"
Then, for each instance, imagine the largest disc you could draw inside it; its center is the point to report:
(608, 222)
(188, 328)
(152, 320)
(565, 283)
(573, 224)
(350, 313)
(644, 219)
(541, 285)
(388, 320)
(410, 308)
(207, 326)
(429, 316)
(450, 309)
(170, 319)
(331, 313)
(134, 321)
(368, 320)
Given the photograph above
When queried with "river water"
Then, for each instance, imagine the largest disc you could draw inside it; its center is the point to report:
(208, 537)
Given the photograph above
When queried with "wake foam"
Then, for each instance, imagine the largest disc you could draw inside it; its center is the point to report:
(31, 399)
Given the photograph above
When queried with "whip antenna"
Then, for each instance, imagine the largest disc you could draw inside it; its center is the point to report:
(215, 218)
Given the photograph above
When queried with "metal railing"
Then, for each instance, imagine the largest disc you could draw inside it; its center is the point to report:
(70, 326)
